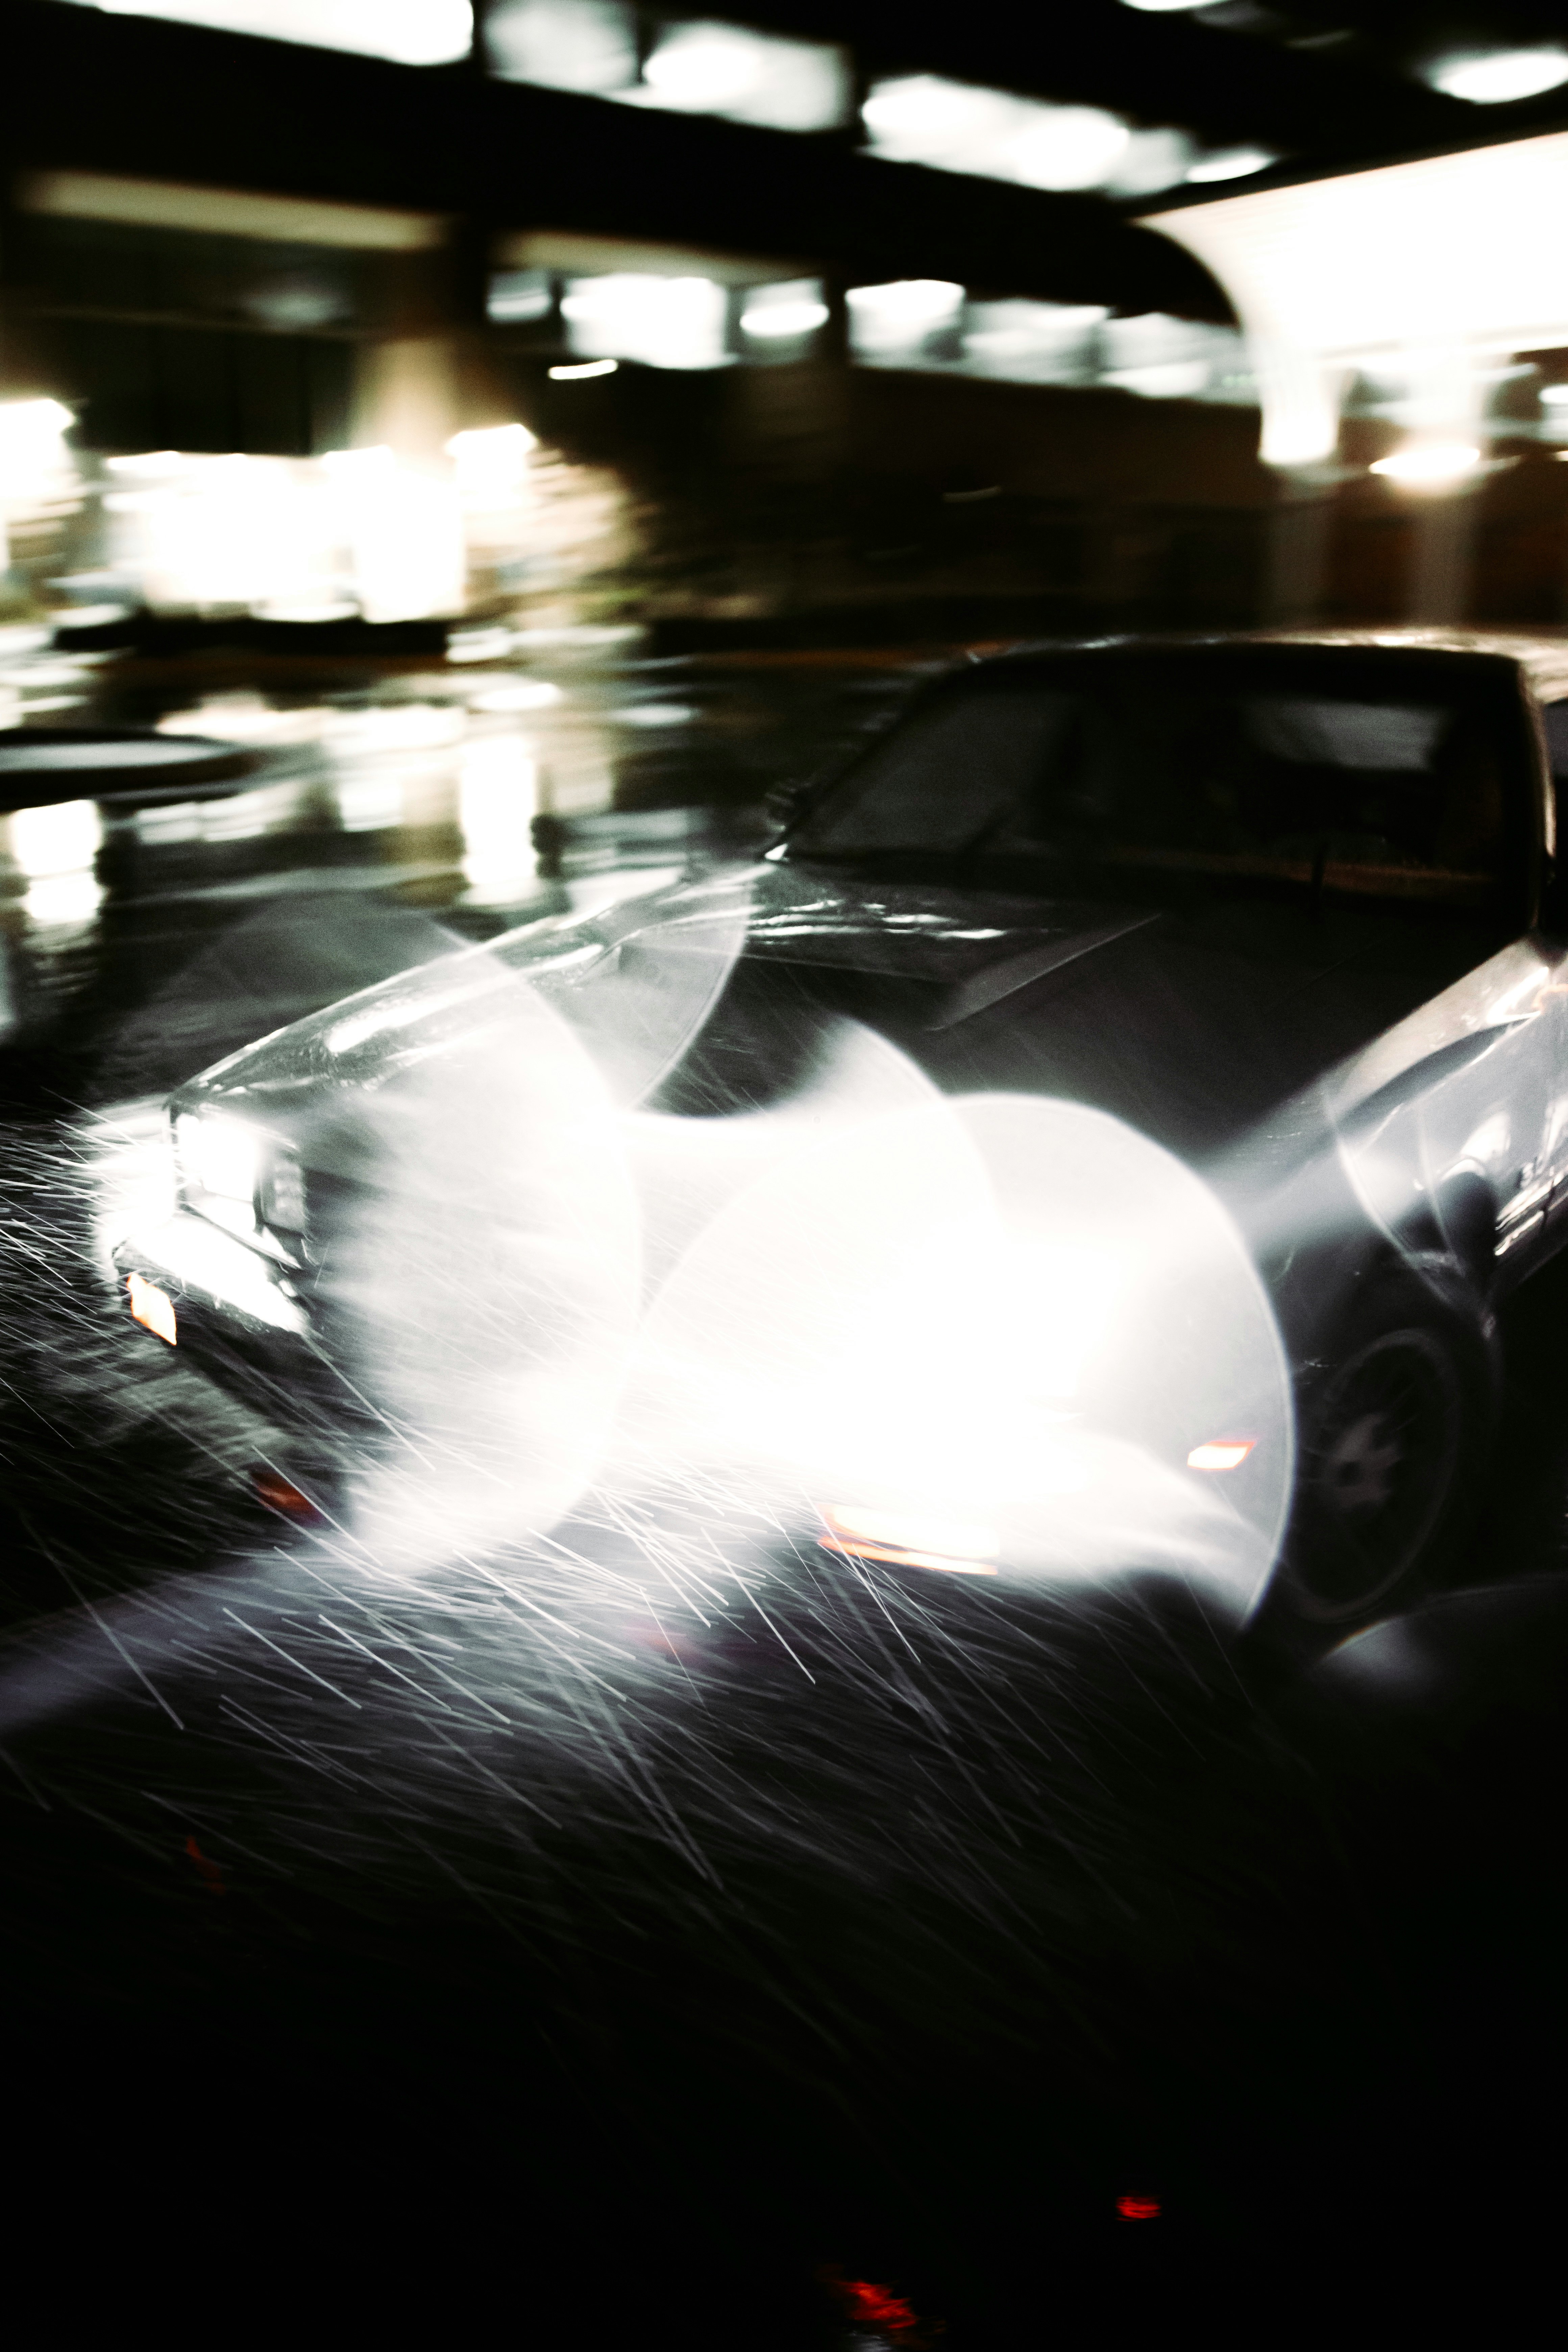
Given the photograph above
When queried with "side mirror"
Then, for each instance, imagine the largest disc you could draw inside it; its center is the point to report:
(783, 803)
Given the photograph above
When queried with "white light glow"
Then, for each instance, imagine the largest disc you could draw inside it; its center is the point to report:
(1499, 77)
(61, 840)
(492, 466)
(666, 322)
(498, 793)
(1231, 163)
(1430, 464)
(1020, 1270)
(62, 900)
(900, 317)
(534, 694)
(589, 46)
(1163, 7)
(409, 32)
(581, 373)
(221, 1156)
(403, 530)
(792, 307)
(1554, 395)
(747, 76)
(33, 455)
(959, 127)
(1430, 268)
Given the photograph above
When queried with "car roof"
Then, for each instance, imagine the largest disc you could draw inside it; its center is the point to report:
(1541, 654)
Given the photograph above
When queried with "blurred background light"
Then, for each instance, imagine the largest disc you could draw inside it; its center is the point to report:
(746, 77)
(491, 464)
(1043, 342)
(497, 797)
(793, 307)
(666, 322)
(992, 133)
(408, 32)
(63, 839)
(1498, 76)
(516, 296)
(902, 316)
(589, 46)
(1430, 464)
(959, 127)
(580, 375)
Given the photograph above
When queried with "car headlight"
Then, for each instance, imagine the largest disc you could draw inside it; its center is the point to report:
(221, 1157)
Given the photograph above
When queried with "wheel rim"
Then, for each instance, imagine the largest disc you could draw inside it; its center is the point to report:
(1378, 1471)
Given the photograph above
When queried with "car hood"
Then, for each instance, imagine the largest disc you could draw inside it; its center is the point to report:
(1189, 1025)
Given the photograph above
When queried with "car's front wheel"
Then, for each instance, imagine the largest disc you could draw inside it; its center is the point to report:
(1395, 1433)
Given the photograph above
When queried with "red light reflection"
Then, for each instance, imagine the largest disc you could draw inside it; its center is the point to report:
(1138, 2208)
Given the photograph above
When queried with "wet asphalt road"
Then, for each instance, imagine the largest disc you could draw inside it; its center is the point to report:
(512, 1944)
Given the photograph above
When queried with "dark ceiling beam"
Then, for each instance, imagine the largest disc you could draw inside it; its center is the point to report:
(155, 101)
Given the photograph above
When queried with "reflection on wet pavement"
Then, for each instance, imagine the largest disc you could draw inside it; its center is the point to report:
(456, 789)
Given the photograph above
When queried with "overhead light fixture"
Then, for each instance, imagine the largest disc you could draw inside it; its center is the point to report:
(588, 46)
(954, 126)
(1499, 77)
(1430, 464)
(746, 77)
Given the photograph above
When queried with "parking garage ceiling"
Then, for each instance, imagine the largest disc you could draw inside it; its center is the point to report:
(1300, 91)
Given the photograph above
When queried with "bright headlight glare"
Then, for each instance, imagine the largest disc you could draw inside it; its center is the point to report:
(220, 1156)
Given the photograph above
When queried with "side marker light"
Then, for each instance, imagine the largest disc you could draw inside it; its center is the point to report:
(1221, 1453)
(152, 1308)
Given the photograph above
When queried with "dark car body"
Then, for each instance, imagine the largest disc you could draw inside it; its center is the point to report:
(1285, 908)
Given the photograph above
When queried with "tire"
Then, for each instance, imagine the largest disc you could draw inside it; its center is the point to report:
(1395, 1434)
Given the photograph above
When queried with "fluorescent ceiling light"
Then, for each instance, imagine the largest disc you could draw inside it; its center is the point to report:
(588, 46)
(1498, 76)
(957, 127)
(757, 77)
(408, 32)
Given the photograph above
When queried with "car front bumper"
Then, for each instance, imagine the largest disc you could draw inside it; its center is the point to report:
(239, 1316)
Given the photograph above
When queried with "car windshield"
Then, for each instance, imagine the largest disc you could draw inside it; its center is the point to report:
(1390, 784)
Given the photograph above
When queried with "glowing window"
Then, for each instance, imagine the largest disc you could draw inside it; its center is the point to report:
(409, 32)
